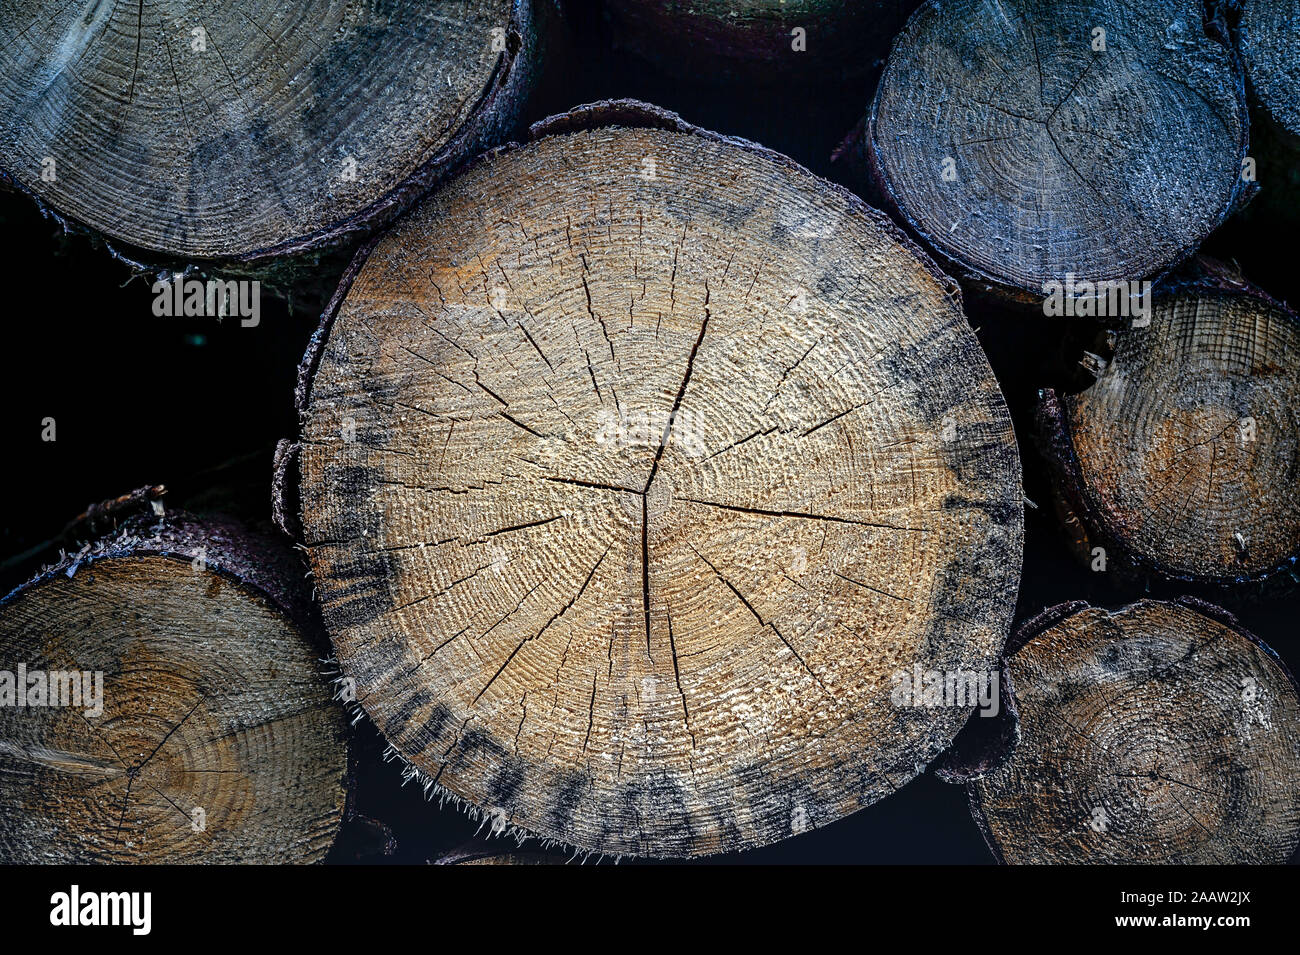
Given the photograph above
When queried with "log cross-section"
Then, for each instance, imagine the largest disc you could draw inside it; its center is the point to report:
(1031, 142)
(634, 465)
(163, 700)
(1157, 733)
(247, 130)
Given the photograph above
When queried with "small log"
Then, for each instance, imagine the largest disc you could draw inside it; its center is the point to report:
(1026, 147)
(633, 467)
(1160, 733)
(759, 40)
(1181, 460)
(216, 740)
(1269, 32)
(255, 131)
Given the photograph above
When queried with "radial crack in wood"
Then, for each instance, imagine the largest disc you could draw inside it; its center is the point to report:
(635, 466)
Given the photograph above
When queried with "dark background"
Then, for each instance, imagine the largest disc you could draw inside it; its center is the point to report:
(198, 405)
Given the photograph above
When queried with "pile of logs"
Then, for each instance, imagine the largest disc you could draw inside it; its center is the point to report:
(650, 495)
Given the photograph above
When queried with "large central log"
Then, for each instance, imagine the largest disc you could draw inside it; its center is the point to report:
(635, 466)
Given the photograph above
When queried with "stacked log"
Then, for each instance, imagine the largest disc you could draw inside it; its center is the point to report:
(1160, 733)
(1033, 144)
(1269, 33)
(652, 496)
(634, 467)
(164, 703)
(255, 131)
(1181, 460)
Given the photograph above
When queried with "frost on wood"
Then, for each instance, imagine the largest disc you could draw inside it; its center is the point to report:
(1025, 146)
(634, 465)
(1160, 733)
(243, 130)
(218, 741)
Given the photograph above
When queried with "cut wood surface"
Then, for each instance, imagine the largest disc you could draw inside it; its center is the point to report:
(1023, 153)
(218, 739)
(756, 39)
(245, 130)
(1270, 47)
(633, 465)
(1183, 459)
(1159, 733)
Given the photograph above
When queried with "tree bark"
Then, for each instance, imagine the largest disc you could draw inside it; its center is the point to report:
(1025, 147)
(755, 40)
(218, 740)
(1181, 460)
(256, 131)
(1160, 733)
(633, 466)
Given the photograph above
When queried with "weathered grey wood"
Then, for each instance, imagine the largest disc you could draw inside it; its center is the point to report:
(1269, 33)
(1023, 153)
(243, 131)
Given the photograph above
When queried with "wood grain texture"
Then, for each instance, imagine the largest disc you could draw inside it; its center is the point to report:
(231, 144)
(1022, 154)
(1159, 733)
(626, 494)
(1269, 33)
(753, 39)
(213, 700)
(1183, 459)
